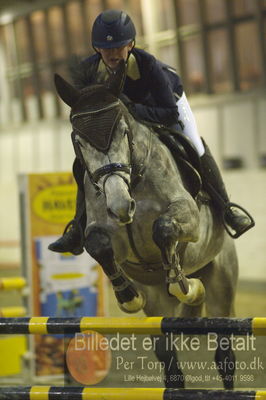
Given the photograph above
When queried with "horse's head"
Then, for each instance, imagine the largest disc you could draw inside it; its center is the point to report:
(103, 140)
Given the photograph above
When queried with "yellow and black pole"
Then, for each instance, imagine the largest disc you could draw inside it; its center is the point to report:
(149, 325)
(11, 283)
(83, 393)
(8, 312)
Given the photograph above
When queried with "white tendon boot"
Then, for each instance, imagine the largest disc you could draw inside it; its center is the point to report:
(195, 295)
(135, 305)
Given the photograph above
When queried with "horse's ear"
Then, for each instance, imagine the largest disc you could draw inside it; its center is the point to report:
(116, 80)
(66, 91)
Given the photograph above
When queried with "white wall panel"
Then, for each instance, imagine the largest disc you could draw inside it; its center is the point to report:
(248, 188)
(24, 140)
(208, 127)
(67, 154)
(239, 130)
(262, 125)
(31, 103)
(7, 163)
(9, 212)
(46, 148)
(5, 111)
(49, 105)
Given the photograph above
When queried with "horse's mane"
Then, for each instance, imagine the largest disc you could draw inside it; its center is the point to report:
(84, 74)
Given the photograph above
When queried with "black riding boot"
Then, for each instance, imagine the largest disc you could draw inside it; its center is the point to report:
(234, 216)
(72, 240)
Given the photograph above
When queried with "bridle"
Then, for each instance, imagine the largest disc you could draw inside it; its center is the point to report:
(135, 171)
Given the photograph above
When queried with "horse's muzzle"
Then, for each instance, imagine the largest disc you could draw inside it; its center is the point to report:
(123, 215)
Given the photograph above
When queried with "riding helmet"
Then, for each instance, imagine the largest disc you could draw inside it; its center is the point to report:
(112, 28)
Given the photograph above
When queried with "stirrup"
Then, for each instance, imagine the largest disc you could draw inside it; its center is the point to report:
(236, 235)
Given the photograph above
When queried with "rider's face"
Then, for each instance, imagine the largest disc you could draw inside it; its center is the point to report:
(111, 57)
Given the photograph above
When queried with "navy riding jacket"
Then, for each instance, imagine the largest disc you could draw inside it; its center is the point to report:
(150, 85)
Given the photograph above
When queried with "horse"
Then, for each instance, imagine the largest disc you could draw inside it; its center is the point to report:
(164, 250)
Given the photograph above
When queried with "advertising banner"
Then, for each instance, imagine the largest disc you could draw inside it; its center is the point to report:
(62, 285)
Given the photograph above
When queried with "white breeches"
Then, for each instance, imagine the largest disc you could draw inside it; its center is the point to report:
(190, 127)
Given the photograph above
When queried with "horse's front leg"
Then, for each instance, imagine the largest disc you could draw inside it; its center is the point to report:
(173, 376)
(179, 224)
(98, 244)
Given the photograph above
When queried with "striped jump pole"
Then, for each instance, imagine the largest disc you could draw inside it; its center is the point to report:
(149, 325)
(79, 393)
(16, 282)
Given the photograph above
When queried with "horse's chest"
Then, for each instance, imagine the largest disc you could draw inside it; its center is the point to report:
(135, 240)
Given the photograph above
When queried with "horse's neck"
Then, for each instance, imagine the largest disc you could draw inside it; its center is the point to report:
(143, 139)
(148, 147)
(159, 166)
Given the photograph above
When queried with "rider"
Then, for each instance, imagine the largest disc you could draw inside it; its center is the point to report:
(152, 92)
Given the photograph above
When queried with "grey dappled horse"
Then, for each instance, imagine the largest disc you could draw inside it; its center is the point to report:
(163, 251)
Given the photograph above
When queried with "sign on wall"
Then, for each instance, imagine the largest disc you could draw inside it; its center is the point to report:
(62, 285)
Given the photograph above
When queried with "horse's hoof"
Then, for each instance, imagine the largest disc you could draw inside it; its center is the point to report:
(199, 293)
(134, 305)
(195, 295)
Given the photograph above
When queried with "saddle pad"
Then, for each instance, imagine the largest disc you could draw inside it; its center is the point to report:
(180, 143)
(185, 157)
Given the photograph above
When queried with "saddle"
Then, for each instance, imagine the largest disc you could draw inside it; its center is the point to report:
(185, 155)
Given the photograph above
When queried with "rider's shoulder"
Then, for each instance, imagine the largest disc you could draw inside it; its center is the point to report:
(147, 61)
(143, 57)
